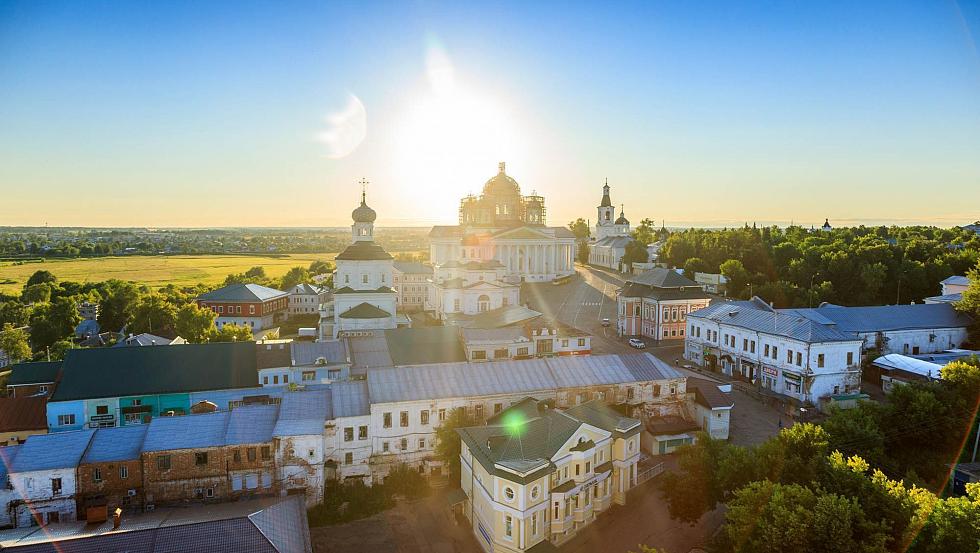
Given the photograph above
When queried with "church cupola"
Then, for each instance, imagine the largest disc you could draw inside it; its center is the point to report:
(622, 218)
(364, 216)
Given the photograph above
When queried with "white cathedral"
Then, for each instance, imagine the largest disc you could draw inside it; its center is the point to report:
(608, 243)
(363, 298)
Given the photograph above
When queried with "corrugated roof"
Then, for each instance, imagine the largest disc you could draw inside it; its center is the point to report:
(598, 414)
(122, 443)
(495, 318)
(363, 251)
(364, 311)
(251, 424)
(369, 352)
(959, 280)
(445, 231)
(663, 278)
(307, 353)
(61, 450)
(304, 289)
(186, 432)
(708, 394)
(23, 413)
(242, 292)
(413, 268)
(7, 456)
(424, 345)
(117, 372)
(896, 361)
(350, 398)
(505, 334)
(44, 372)
(613, 242)
(303, 413)
(634, 290)
(881, 318)
(787, 323)
(146, 339)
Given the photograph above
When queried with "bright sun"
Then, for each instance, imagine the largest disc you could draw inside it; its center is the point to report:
(450, 140)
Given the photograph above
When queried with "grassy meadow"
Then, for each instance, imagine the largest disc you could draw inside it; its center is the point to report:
(154, 271)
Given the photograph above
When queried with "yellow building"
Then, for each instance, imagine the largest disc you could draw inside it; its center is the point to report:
(534, 475)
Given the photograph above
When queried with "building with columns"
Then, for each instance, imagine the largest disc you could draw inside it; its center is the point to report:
(502, 225)
(470, 288)
(536, 475)
(363, 297)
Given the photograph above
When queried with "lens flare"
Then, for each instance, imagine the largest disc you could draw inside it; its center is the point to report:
(346, 129)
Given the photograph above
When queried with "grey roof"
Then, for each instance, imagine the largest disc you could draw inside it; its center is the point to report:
(959, 280)
(303, 413)
(186, 432)
(881, 318)
(440, 231)
(122, 443)
(304, 289)
(896, 361)
(562, 232)
(242, 292)
(350, 398)
(413, 268)
(147, 339)
(87, 327)
(613, 241)
(447, 380)
(364, 311)
(251, 424)
(348, 290)
(502, 316)
(7, 456)
(42, 372)
(505, 334)
(750, 315)
(307, 353)
(598, 414)
(368, 352)
(663, 278)
(424, 345)
(363, 251)
(634, 290)
(708, 394)
(60, 450)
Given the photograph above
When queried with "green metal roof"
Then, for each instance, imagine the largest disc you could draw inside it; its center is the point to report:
(363, 251)
(34, 373)
(119, 372)
(364, 311)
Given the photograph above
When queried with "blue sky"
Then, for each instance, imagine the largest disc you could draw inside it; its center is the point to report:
(207, 113)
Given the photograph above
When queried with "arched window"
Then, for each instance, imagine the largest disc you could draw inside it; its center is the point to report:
(483, 303)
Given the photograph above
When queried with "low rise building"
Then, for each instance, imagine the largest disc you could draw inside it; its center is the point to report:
(411, 284)
(712, 283)
(8, 496)
(470, 288)
(298, 443)
(712, 406)
(952, 289)
(110, 473)
(252, 305)
(21, 417)
(537, 475)
(309, 363)
(147, 339)
(43, 476)
(306, 299)
(534, 339)
(655, 304)
(33, 379)
(780, 351)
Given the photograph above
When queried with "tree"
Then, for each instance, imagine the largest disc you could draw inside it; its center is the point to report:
(580, 229)
(14, 312)
(53, 321)
(119, 299)
(154, 314)
(195, 324)
(37, 293)
(645, 234)
(14, 342)
(294, 276)
(59, 349)
(970, 303)
(953, 525)
(694, 265)
(319, 267)
(635, 252)
(233, 333)
(448, 443)
(582, 253)
(40, 277)
(738, 277)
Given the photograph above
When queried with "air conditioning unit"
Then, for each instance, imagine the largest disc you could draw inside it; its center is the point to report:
(149, 507)
(131, 493)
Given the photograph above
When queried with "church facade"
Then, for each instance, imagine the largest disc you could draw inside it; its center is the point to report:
(505, 226)
(363, 297)
(607, 246)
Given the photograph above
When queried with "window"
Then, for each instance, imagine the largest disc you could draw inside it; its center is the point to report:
(581, 342)
(238, 309)
(201, 458)
(775, 352)
(508, 526)
(386, 420)
(56, 486)
(221, 309)
(479, 354)
(309, 376)
(349, 434)
(500, 353)
(266, 453)
(403, 419)
(578, 469)
(403, 444)
(565, 475)
(850, 358)
(820, 360)
(66, 420)
(97, 475)
(163, 462)
(629, 394)
(237, 456)
(522, 352)
(250, 453)
(442, 415)
(384, 447)
(123, 472)
(275, 379)
(209, 492)
(799, 359)
(456, 304)
(251, 310)
(497, 407)
(362, 432)
(789, 356)
(534, 524)
(588, 467)
(479, 412)
(535, 491)
(509, 493)
(101, 409)
(265, 380)
(364, 279)
(421, 443)
(766, 351)
(424, 417)
(564, 343)
(348, 458)
(285, 379)
(752, 346)
(656, 390)
(745, 344)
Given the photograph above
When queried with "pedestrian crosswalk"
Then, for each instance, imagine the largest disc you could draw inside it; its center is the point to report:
(592, 303)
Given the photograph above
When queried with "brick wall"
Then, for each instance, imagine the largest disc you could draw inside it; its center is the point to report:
(111, 484)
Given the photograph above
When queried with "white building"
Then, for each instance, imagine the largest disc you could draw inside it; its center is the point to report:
(533, 339)
(712, 406)
(505, 226)
(654, 304)
(363, 298)
(470, 288)
(781, 351)
(607, 246)
(299, 441)
(43, 477)
(952, 290)
(411, 284)
(305, 299)
(536, 475)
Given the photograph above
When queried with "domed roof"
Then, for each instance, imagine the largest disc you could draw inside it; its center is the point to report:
(363, 213)
(501, 184)
(622, 218)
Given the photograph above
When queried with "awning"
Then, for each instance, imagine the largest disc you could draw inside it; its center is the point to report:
(455, 497)
(136, 409)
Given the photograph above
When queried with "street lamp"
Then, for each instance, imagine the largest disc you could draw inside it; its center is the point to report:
(802, 414)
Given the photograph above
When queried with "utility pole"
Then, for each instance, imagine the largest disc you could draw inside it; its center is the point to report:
(976, 442)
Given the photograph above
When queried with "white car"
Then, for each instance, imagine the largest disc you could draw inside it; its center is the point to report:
(637, 343)
(605, 322)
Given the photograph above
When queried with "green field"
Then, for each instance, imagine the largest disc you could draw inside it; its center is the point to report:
(154, 271)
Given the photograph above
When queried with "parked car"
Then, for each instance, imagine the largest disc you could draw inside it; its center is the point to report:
(605, 322)
(637, 343)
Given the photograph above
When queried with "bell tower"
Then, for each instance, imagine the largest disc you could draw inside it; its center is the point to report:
(606, 215)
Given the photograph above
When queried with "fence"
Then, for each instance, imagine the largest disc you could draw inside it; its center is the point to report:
(649, 473)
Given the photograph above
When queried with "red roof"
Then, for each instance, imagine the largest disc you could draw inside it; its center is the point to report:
(22, 413)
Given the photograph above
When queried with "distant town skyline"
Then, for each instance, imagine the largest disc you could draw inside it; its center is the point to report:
(128, 114)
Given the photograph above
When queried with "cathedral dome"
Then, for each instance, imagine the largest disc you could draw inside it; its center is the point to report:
(622, 220)
(363, 213)
(501, 185)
